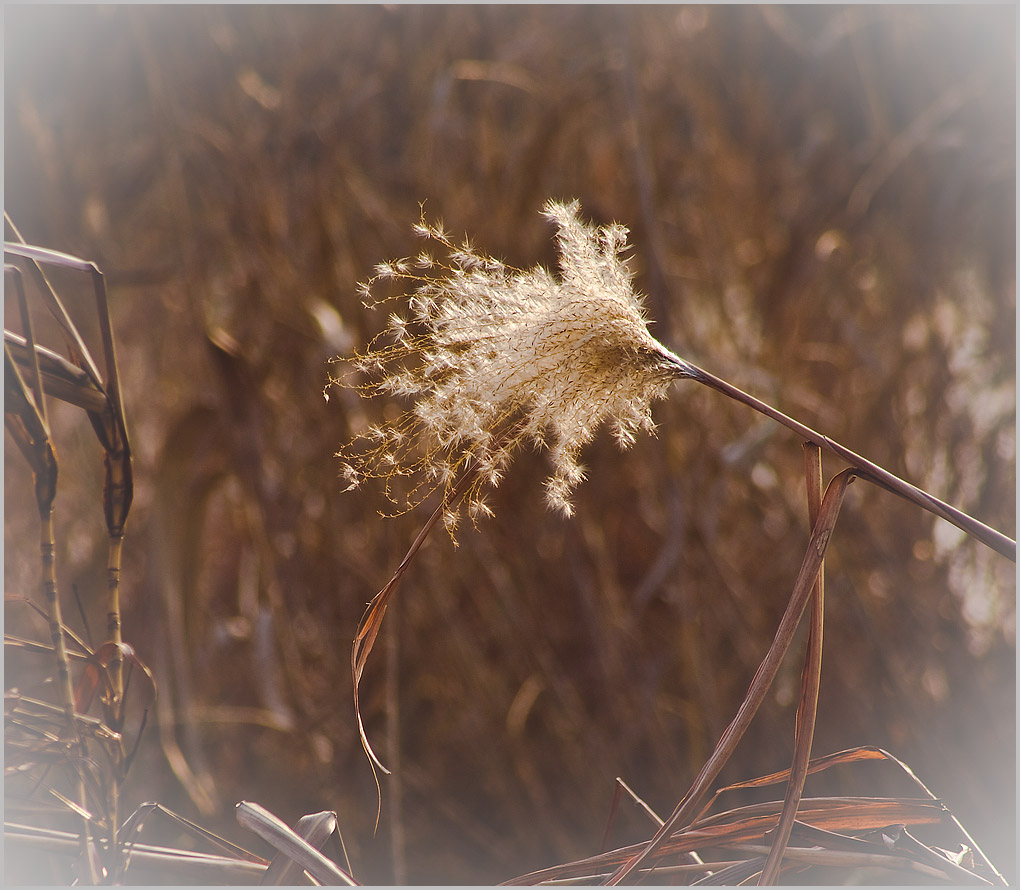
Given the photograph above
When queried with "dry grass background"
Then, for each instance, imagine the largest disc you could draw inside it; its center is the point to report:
(822, 203)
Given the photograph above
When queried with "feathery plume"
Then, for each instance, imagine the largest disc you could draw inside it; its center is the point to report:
(493, 358)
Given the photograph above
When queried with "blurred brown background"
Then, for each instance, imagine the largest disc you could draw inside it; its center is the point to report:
(821, 202)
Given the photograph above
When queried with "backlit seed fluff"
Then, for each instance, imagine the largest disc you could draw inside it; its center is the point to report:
(491, 358)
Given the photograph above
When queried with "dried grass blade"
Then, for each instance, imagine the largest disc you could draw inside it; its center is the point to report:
(61, 379)
(830, 813)
(820, 535)
(26, 422)
(133, 824)
(880, 858)
(963, 831)
(732, 875)
(179, 866)
(807, 710)
(272, 830)
(79, 351)
(48, 255)
(372, 620)
(316, 829)
(906, 843)
(109, 421)
(622, 787)
(641, 803)
(26, 322)
(748, 824)
(850, 755)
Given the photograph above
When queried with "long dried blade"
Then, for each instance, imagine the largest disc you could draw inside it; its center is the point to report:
(76, 345)
(807, 709)
(134, 823)
(14, 273)
(372, 620)
(267, 826)
(850, 755)
(118, 489)
(166, 863)
(27, 425)
(820, 535)
(316, 829)
(61, 379)
(747, 825)
(108, 421)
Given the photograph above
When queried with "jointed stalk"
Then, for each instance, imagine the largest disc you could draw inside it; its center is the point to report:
(65, 690)
(113, 627)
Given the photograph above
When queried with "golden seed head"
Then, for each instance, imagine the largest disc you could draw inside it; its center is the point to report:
(495, 357)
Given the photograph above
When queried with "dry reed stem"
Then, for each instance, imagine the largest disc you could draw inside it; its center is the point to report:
(807, 710)
(110, 427)
(992, 538)
(25, 417)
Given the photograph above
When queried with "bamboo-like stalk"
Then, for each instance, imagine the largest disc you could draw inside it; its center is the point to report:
(116, 701)
(81, 381)
(113, 629)
(65, 691)
(117, 491)
(33, 437)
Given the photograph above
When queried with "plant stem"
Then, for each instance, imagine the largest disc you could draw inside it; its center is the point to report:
(864, 468)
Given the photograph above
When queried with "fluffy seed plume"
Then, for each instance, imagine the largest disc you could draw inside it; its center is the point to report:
(493, 358)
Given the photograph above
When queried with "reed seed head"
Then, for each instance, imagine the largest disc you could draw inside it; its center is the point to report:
(492, 358)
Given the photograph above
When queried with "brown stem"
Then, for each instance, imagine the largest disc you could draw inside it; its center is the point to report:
(864, 468)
